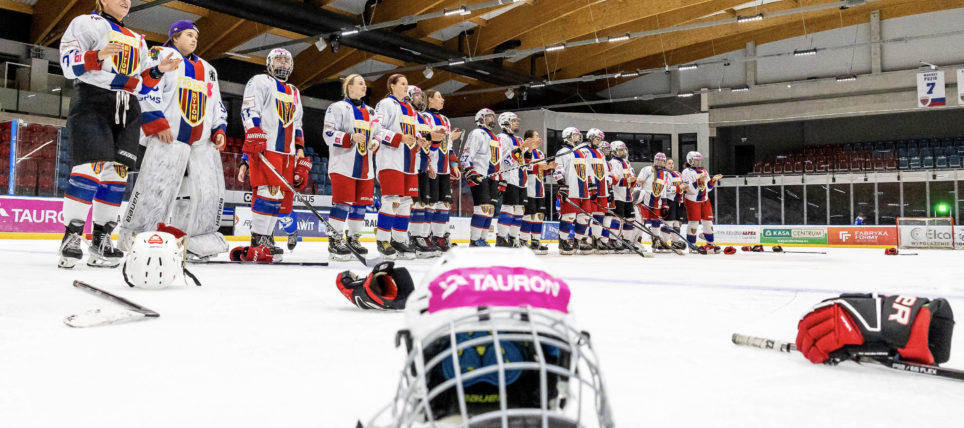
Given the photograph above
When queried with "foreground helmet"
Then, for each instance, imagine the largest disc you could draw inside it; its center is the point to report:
(154, 260)
(694, 159)
(489, 336)
(505, 119)
(281, 72)
(481, 115)
(571, 135)
(619, 149)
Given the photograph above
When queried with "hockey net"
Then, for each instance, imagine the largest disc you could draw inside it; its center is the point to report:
(925, 232)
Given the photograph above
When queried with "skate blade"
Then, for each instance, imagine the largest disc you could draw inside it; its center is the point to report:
(102, 262)
(67, 262)
(341, 258)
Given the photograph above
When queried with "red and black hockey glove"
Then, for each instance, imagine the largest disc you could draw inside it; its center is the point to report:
(777, 249)
(892, 251)
(664, 212)
(915, 328)
(302, 169)
(746, 248)
(757, 249)
(387, 287)
(255, 141)
(502, 186)
(563, 193)
(473, 178)
(259, 254)
(730, 250)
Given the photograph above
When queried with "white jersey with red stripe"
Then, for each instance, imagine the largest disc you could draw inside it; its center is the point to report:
(396, 118)
(347, 158)
(697, 183)
(674, 188)
(127, 70)
(187, 100)
(622, 172)
(600, 171)
(482, 152)
(423, 127)
(508, 144)
(275, 106)
(441, 153)
(580, 170)
(651, 182)
(536, 180)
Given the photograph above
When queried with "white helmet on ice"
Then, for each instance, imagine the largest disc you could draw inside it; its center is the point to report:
(693, 157)
(281, 71)
(594, 133)
(154, 260)
(492, 323)
(571, 135)
(619, 149)
(505, 119)
(481, 115)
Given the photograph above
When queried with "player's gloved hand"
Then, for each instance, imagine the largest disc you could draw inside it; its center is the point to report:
(563, 193)
(593, 189)
(387, 287)
(664, 212)
(302, 169)
(610, 200)
(915, 328)
(473, 178)
(259, 254)
(255, 141)
(502, 186)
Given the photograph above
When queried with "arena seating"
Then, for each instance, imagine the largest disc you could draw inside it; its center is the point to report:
(927, 153)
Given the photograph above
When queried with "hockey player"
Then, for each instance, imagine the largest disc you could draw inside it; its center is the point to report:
(576, 186)
(673, 210)
(599, 242)
(110, 64)
(349, 137)
(514, 152)
(272, 114)
(421, 225)
(480, 160)
(698, 184)
(648, 196)
(535, 209)
(183, 122)
(624, 179)
(446, 166)
(397, 161)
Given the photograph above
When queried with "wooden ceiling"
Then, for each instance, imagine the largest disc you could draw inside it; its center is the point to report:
(536, 23)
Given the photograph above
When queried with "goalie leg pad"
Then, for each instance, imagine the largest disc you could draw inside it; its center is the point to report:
(200, 202)
(154, 190)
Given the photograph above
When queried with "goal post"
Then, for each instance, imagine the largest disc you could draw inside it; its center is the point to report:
(925, 232)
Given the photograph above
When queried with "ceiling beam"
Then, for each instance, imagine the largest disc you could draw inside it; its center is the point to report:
(241, 32)
(16, 6)
(50, 14)
(526, 19)
(395, 9)
(318, 66)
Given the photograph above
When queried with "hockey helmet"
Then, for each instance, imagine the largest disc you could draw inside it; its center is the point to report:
(659, 159)
(493, 324)
(505, 119)
(481, 115)
(154, 260)
(412, 90)
(571, 135)
(281, 71)
(594, 133)
(619, 149)
(693, 157)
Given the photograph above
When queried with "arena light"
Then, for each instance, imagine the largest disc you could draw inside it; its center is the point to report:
(752, 18)
(804, 52)
(622, 38)
(428, 72)
(509, 93)
(685, 95)
(743, 89)
(850, 78)
(349, 32)
(942, 208)
(457, 62)
(554, 48)
(686, 67)
(629, 75)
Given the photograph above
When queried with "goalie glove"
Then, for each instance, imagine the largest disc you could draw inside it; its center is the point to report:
(302, 169)
(386, 288)
(852, 325)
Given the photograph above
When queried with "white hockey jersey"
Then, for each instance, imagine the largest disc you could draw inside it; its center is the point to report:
(580, 170)
(652, 182)
(482, 152)
(442, 153)
(697, 183)
(187, 100)
(346, 158)
(511, 159)
(536, 180)
(125, 71)
(394, 118)
(674, 188)
(275, 106)
(621, 172)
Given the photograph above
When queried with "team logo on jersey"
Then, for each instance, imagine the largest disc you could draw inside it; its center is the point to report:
(580, 170)
(128, 60)
(407, 123)
(493, 152)
(285, 105)
(658, 185)
(362, 127)
(192, 98)
(121, 170)
(97, 167)
(598, 169)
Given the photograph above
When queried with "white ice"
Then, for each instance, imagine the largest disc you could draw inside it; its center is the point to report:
(278, 346)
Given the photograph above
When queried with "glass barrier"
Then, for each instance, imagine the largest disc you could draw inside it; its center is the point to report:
(817, 204)
(749, 198)
(725, 205)
(865, 204)
(840, 204)
(771, 199)
(888, 203)
(942, 198)
(915, 199)
(792, 204)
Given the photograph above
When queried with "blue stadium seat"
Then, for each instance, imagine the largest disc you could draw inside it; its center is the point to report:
(903, 162)
(928, 162)
(914, 162)
(941, 162)
(954, 161)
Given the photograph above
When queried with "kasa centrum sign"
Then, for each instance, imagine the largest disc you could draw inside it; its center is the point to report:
(794, 235)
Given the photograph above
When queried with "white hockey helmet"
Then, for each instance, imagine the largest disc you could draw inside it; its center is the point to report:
(492, 323)
(594, 133)
(280, 72)
(505, 119)
(154, 260)
(619, 149)
(659, 159)
(412, 90)
(481, 115)
(571, 135)
(693, 157)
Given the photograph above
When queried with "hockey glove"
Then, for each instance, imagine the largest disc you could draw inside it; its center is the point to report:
(302, 169)
(853, 325)
(730, 251)
(593, 189)
(387, 287)
(664, 212)
(563, 193)
(255, 141)
(892, 251)
(777, 249)
(502, 187)
(259, 254)
(473, 178)
(757, 248)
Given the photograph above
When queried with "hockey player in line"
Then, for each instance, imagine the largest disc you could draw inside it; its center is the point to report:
(650, 185)
(535, 207)
(109, 63)
(181, 175)
(513, 152)
(577, 186)
(423, 208)
(272, 113)
(445, 163)
(673, 209)
(599, 166)
(698, 184)
(348, 134)
(481, 159)
(624, 179)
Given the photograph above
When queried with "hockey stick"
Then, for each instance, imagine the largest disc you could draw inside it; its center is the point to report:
(96, 317)
(688, 243)
(229, 262)
(875, 358)
(331, 230)
(620, 238)
(644, 229)
(543, 160)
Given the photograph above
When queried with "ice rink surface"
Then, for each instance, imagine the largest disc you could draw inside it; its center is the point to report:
(279, 346)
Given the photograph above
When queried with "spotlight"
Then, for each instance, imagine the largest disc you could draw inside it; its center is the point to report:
(428, 72)
(688, 67)
(850, 78)
(804, 52)
(509, 93)
(742, 19)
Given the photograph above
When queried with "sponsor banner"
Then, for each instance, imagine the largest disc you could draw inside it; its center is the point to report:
(794, 235)
(924, 236)
(31, 215)
(244, 198)
(862, 235)
(930, 89)
(958, 237)
(736, 234)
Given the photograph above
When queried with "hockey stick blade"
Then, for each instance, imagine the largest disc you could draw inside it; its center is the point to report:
(97, 317)
(626, 243)
(645, 230)
(115, 298)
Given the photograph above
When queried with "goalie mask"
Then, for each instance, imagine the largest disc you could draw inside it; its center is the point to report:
(491, 345)
(280, 64)
(154, 260)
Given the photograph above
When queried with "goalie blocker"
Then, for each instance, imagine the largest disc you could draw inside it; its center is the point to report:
(915, 328)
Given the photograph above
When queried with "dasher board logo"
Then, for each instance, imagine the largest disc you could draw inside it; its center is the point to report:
(794, 236)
